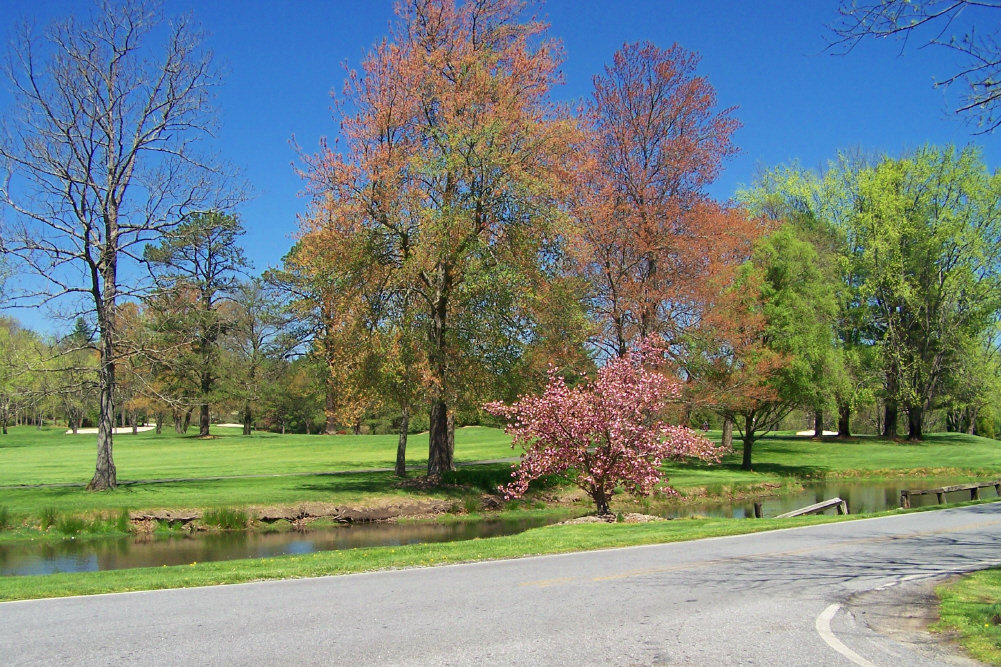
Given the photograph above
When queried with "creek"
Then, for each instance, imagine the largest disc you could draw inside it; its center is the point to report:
(92, 554)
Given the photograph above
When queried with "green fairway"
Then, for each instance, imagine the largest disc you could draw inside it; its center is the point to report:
(50, 456)
(269, 469)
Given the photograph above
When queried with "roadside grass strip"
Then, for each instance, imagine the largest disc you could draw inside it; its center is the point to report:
(538, 541)
(971, 607)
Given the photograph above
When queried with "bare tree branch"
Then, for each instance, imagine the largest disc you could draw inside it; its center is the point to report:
(935, 23)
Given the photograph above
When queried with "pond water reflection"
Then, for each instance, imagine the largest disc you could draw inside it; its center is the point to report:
(29, 558)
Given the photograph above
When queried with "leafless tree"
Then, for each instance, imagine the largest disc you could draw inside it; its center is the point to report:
(100, 155)
(963, 26)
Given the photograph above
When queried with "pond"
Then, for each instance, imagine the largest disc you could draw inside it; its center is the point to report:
(70, 555)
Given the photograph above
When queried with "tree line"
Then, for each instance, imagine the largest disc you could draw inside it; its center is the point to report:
(469, 233)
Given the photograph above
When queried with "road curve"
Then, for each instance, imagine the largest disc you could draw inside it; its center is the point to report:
(783, 597)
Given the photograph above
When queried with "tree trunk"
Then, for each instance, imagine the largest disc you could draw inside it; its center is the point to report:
(727, 440)
(972, 428)
(890, 410)
(818, 424)
(159, 422)
(330, 405)
(105, 474)
(401, 446)
(745, 464)
(451, 439)
(439, 454)
(844, 421)
(601, 501)
(915, 419)
(439, 459)
(246, 418)
(203, 419)
(890, 419)
(187, 420)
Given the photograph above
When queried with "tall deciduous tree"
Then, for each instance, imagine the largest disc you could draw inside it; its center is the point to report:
(100, 157)
(256, 340)
(650, 241)
(781, 364)
(450, 158)
(201, 258)
(928, 234)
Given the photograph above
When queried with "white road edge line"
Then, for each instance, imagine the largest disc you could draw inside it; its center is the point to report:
(824, 630)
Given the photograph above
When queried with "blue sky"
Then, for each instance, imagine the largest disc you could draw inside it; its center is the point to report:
(767, 58)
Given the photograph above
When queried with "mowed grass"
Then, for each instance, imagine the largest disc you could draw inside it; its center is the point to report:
(971, 607)
(270, 469)
(50, 456)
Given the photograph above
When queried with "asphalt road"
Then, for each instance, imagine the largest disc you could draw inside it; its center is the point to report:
(803, 596)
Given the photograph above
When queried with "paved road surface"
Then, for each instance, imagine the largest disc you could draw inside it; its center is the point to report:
(790, 597)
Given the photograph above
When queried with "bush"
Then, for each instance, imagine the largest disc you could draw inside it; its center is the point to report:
(4, 517)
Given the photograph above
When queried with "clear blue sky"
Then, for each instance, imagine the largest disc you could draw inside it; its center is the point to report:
(767, 58)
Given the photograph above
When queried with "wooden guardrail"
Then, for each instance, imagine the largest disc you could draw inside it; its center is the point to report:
(818, 508)
(973, 488)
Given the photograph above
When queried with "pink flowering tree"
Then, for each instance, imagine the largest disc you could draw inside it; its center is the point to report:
(601, 434)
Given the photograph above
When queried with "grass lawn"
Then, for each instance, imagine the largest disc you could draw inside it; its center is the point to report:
(32, 457)
(971, 607)
(50, 456)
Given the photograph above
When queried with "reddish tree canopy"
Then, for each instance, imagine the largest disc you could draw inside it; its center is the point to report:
(651, 243)
(602, 433)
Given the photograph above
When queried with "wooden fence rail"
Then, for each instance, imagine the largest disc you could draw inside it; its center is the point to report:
(818, 508)
(973, 488)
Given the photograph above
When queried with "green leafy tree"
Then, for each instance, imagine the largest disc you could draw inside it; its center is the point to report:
(255, 340)
(19, 353)
(201, 258)
(927, 234)
(783, 365)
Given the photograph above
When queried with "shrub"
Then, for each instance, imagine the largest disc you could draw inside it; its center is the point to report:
(4, 517)
(602, 434)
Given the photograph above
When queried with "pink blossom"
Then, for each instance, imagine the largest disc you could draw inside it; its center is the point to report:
(601, 433)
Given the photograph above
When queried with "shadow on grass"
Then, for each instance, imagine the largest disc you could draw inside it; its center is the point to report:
(782, 470)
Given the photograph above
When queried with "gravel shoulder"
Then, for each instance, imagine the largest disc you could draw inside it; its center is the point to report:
(904, 613)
